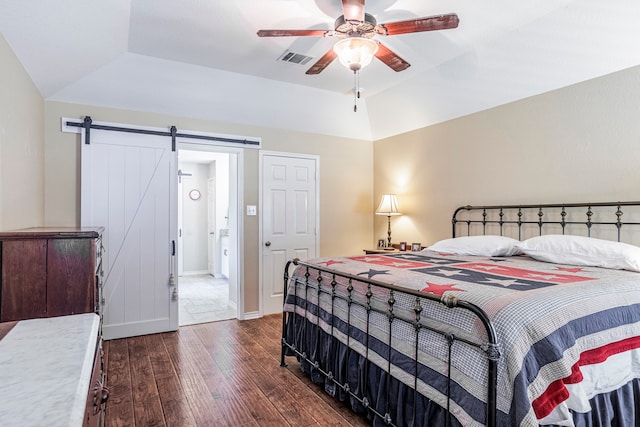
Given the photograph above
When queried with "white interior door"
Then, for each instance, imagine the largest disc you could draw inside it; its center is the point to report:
(128, 186)
(289, 219)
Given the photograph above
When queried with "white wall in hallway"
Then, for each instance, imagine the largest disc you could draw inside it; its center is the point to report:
(194, 218)
(194, 223)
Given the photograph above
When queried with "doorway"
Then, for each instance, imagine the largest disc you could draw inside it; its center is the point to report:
(207, 193)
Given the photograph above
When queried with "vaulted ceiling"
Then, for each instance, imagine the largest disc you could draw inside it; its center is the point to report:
(203, 59)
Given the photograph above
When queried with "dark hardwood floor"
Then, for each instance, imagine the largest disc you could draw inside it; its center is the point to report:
(214, 374)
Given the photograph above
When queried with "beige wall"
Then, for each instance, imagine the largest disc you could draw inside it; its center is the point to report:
(577, 144)
(346, 178)
(21, 145)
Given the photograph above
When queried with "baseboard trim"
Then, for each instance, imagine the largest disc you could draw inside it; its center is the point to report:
(252, 315)
(196, 273)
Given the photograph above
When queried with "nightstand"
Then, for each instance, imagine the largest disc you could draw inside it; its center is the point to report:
(381, 251)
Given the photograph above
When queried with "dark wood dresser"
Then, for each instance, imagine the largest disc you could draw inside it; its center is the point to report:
(50, 271)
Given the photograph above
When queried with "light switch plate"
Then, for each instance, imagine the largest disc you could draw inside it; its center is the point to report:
(251, 210)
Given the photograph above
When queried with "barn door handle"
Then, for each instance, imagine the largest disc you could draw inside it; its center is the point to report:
(268, 243)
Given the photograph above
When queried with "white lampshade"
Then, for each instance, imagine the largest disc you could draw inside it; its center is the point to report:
(388, 205)
(355, 52)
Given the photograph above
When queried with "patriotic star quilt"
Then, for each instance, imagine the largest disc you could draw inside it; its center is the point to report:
(554, 324)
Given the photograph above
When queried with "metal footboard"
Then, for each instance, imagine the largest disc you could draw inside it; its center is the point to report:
(325, 281)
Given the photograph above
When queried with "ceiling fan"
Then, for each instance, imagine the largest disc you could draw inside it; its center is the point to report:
(356, 30)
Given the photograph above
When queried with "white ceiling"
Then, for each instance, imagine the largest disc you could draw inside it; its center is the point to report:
(203, 59)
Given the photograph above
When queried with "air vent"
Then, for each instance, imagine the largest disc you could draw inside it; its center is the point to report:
(294, 58)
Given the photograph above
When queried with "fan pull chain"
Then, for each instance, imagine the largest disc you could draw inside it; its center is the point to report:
(356, 90)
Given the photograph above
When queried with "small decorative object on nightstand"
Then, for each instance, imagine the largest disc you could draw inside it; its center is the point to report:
(416, 247)
(403, 246)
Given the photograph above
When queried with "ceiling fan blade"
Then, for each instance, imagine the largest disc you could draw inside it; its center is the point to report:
(294, 33)
(390, 58)
(322, 63)
(430, 23)
(353, 10)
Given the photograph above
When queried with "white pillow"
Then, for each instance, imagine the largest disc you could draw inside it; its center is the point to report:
(478, 245)
(580, 250)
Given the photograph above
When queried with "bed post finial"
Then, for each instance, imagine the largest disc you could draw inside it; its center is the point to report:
(519, 223)
(540, 215)
(484, 222)
(619, 220)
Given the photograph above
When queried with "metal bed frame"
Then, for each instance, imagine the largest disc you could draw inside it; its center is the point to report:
(475, 220)
(490, 347)
(533, 217)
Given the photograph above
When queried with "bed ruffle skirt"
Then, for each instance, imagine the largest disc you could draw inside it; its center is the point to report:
(618, 408)
(388, 395)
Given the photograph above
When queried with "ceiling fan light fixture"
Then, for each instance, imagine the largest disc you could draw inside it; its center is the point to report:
(355, 53)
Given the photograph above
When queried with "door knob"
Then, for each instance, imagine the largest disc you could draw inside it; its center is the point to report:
(267, 243)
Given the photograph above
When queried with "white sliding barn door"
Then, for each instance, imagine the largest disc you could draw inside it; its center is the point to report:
(289, 220)
(129, 187)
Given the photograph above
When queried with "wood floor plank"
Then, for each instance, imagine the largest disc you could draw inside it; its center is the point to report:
(230, 408)
(239, 388)
(216, 374)
(118, 378)
(159, 357)
(119, 408)
(248, 406)
(119, 415)
(147, 407)
(271, 378)
(241, 383)
(203, 406)
(174, 404)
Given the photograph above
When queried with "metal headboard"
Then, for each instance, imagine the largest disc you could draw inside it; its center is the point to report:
(603, 220)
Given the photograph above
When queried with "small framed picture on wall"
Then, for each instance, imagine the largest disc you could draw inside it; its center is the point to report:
(416, 247)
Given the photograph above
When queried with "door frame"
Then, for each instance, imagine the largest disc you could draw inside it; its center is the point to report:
(211, 224)
(261, 156)
(236, 191)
